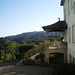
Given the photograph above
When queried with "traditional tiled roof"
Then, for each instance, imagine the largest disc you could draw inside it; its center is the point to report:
(58, 26)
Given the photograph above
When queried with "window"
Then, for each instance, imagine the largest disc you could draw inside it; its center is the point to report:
(73, 34)
(71, 4)
(69, 35)
(65, 13)
(68, 8)
(74, 7)
(70, 58)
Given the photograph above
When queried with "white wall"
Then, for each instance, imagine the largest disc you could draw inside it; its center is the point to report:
(70, 20)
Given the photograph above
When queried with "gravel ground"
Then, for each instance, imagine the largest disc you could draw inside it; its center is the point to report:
(9, 68)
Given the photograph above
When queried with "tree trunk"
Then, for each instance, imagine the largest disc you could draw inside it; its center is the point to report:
(5, 54)
(23, 57)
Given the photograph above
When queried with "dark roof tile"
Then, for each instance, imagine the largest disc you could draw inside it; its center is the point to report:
(58, 26)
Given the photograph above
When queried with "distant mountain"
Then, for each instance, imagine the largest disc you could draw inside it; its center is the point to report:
(33, 37)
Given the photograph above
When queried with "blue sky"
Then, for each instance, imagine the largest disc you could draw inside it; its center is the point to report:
(18, 16)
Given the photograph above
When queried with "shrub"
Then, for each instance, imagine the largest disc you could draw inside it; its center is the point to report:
(29, 62)
(64, 69)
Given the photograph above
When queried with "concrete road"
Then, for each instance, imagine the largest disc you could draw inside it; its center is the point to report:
(9, 68)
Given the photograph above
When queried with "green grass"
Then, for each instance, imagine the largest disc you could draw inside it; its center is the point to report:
(1, 61)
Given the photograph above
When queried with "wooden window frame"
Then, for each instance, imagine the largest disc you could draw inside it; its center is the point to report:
(74, 7)
(68, 7)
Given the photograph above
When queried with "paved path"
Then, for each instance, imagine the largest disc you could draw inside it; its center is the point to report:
(11, 69)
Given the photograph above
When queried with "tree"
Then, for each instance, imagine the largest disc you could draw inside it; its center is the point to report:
(3, 44)
(11, 48)
(0, 53)
(24, 48)
(36, 49)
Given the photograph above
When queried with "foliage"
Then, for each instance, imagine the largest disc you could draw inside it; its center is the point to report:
(9, 60)
(39, 59)
(28, 43)
(24, 48)
(35, 37)
(7, 47)
(34, 50)
(12, 47)
(29, 62)
(3, 43)
(41, 56)
(18, 56)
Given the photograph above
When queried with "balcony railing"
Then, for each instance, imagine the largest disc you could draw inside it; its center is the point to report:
(56, 45)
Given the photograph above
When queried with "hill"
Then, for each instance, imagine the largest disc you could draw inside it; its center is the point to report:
(34, 37)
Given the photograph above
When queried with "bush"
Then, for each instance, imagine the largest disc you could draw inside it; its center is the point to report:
(10, 58)
(29, 62)
(64, 69)
(45, 64)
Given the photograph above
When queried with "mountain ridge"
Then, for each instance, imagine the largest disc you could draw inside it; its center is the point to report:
(32, 37)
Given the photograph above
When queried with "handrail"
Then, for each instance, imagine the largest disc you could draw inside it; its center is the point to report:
(55, 45)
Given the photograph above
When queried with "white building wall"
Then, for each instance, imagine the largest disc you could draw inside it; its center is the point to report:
(70, 20)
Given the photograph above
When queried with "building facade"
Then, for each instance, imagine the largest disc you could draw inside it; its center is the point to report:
(69, 17)
(55, 49)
